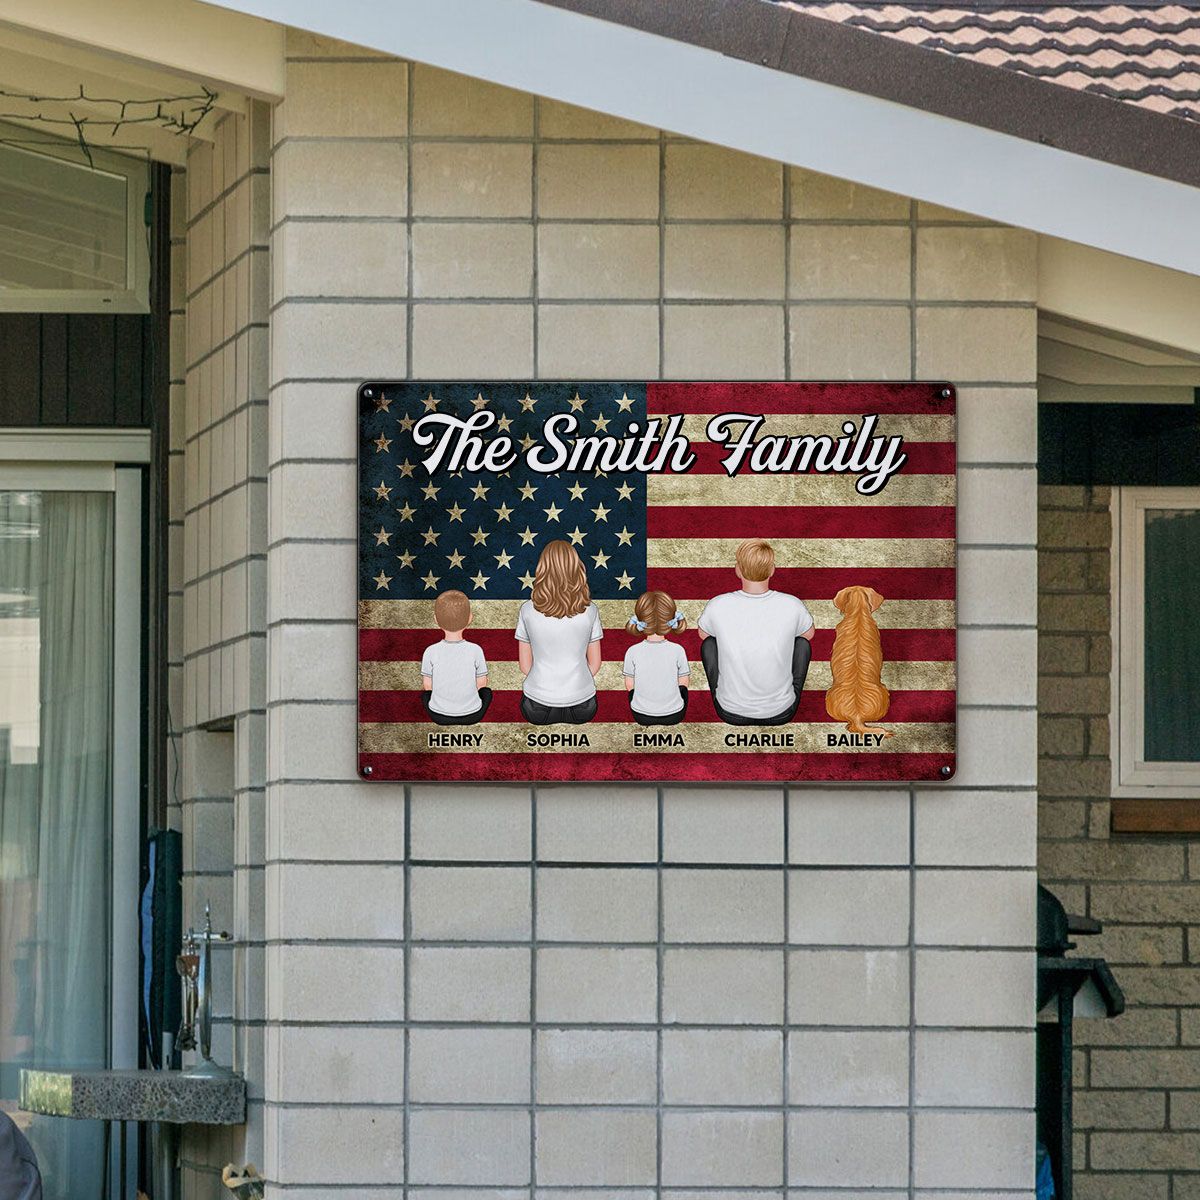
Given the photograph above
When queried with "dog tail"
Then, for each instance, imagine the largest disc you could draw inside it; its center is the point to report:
(858, 727)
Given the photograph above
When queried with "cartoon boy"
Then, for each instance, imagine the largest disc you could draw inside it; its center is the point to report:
(756, 644)
(454, 671)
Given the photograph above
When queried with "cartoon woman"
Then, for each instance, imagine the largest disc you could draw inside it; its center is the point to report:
(656, 671)
(559, 634)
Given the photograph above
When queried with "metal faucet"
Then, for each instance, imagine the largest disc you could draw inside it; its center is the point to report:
(194, 965)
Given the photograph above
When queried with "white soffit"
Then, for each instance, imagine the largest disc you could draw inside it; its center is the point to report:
(704, 94)
(1085, 364)
(221, 48)
(1130, 298)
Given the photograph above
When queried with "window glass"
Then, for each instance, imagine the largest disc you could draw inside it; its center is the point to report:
(1172, 631)
(64, 224)
(56, 649)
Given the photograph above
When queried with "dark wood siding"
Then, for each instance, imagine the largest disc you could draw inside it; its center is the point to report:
(1119, 445)
(75, 369)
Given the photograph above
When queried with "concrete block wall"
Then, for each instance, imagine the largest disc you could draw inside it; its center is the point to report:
(219, 417)
(1137, 1083)
(509, 991)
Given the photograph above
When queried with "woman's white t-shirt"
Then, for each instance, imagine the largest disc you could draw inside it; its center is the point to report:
(560, 676)
(656, 668)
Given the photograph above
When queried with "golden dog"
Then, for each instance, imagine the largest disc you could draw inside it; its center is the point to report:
(857, 694)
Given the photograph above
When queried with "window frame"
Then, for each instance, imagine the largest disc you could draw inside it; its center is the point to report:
(113, 461)
(135, 296)
(1133, 777)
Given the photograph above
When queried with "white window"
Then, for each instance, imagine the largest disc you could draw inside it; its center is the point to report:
(70, 780)
(73, 234)
(1156, 643)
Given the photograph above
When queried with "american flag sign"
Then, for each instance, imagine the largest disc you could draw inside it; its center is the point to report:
(655, 487)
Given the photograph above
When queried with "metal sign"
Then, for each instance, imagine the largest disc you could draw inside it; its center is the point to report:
(656, 581)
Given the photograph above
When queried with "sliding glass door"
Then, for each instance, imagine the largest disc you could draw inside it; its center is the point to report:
(68, 796)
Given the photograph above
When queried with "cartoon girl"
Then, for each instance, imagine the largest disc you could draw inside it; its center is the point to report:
(656, 671)
(559, 633)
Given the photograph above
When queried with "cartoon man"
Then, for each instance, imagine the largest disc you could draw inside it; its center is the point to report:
(454, 671)
(756, 644)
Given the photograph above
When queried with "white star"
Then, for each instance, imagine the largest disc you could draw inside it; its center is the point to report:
(406, 469)
(600, 558)
(479, 491)
(577, 491)
(479, 402)
(480, 537)
(601, 512)
(624, 538)
(455, 513)
(382, 537)
(430, 492)
(552, 513)
(430, 403)
(480, 580)
(528, 404)
(625, 580)
(576, 535)
(526, 581)
(430, 581)
(455, 559)
(383, 404)
(601, 423)
(405, 559)
(382, 492)
(503, 558)
(406, 513)
(527, 536)
(382, 581)
(431, 537)
(625, 404)
(503, 512)
(527, 491)
(625, 492)
(382, 443)
(577, 403)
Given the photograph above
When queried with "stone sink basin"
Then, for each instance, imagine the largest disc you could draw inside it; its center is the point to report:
(171, 1096)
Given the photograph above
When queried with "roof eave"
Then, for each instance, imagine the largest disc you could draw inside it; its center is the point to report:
(730, 72)
(990, 97)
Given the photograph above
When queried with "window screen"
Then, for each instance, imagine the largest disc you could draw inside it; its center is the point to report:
(1172, 630)
(63, 224)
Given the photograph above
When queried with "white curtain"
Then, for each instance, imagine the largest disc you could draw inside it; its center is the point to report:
(55, 803)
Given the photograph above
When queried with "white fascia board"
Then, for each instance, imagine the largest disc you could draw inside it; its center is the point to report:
(703, 94)
(224, 49)
(1112, 292)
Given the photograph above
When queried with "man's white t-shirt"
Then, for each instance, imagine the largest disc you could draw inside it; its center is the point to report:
(656, 668)
(453, 667)
(560, 676)
(756, 635)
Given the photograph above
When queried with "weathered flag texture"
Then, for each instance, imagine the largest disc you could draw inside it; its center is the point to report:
(481, 534)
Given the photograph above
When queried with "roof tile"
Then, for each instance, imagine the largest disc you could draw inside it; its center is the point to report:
(1145, 55)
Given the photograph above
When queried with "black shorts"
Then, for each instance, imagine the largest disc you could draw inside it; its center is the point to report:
(537, 713)
(485, 698)
(670, 719)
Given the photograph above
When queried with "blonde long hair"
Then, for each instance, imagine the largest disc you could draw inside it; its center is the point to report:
(857, 694)
(560, 586)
